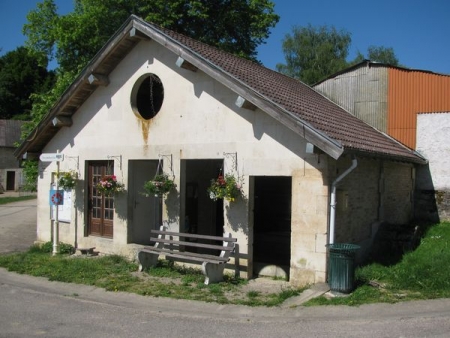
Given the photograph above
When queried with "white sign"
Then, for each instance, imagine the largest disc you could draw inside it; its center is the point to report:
(64, 210)
(50, 157)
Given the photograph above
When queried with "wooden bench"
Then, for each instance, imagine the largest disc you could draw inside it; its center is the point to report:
(213, 265)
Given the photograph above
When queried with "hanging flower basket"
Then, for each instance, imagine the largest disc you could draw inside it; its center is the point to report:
(225, 187)
(161, 184)
(67, 180)
(108, 185)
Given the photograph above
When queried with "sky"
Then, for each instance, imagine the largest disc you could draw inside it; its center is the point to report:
(417, 30)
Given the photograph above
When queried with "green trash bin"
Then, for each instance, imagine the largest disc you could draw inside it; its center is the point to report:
(341, 267)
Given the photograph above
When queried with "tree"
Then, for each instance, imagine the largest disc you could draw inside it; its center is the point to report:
(379, 54)
(237, 26)
(20, 77)
(313, 53)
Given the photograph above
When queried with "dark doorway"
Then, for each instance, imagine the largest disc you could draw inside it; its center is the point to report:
(10, 180)
(200, 214)
(272, 225)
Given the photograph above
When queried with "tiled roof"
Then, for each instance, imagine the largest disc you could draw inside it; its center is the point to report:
(304, 102)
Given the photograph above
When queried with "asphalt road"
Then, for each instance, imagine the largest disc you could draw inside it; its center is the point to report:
(17, 225)
(36, 307)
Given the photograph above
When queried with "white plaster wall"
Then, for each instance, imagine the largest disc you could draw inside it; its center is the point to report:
(198, 120)
(433, 132)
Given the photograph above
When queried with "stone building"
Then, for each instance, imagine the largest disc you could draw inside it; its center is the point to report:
(153, 99)
(10, 171)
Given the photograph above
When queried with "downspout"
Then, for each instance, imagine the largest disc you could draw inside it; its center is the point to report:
(333, 198)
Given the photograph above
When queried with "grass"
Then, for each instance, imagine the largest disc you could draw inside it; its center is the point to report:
(5, 200)
(115, 273)
(421, 274)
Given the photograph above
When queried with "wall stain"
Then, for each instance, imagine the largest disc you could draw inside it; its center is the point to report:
(145, 127)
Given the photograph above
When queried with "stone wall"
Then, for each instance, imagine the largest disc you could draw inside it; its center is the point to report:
(376, 191)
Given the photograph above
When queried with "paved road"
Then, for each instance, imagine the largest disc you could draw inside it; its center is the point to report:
(17, 225)
(35, 307)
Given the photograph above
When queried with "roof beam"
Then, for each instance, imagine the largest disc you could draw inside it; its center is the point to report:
(62, 121)
(243, 103)
(182, 63)
(98, 79)
(134, 33)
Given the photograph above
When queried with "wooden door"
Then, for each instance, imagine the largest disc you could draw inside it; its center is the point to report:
(101, 207)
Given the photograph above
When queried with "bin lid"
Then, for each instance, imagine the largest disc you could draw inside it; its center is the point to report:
(343, 247)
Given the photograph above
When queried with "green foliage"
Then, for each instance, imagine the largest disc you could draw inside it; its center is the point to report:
(43, 102)
(159, 185)
(312, 53)
(421, 274)
(67, 180)
(424, 270)
(225, 188)
(237, 27)
(73, 39)
(47, 247)
(20, 77)
(115, 273)
(30, 173)
(379, 54)
(6, 200)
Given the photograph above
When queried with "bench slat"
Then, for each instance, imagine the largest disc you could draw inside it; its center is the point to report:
(186, 235)
(193, 244)
(188, 255)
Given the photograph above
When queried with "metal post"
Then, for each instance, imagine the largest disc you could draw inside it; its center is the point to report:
(56, 222)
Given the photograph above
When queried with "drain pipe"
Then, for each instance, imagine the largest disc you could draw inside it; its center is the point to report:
(333, 197)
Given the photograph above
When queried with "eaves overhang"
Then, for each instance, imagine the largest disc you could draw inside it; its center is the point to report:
(131, 32)
(135, 29)
(89, 79)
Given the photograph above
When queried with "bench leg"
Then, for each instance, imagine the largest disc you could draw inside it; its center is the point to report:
(147, 259)
(213, 272)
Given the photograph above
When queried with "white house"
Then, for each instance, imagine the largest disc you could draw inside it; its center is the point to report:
(152, 97)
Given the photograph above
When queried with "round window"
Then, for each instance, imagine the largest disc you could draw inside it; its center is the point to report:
(147, 96)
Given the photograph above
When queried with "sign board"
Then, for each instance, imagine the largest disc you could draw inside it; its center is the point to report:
(64, 209)
(56, 197)
(50, 157)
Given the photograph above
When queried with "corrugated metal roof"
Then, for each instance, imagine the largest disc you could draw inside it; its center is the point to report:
(374, 63)
(287, 97)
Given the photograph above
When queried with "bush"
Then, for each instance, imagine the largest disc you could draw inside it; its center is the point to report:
(47, 247)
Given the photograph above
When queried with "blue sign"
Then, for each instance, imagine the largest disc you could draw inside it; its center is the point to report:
(56, 197)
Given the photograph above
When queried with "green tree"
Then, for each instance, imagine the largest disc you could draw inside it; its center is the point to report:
(312, 53)
(379, 54)
(20, 77)
(237, 26)
(30, 172)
